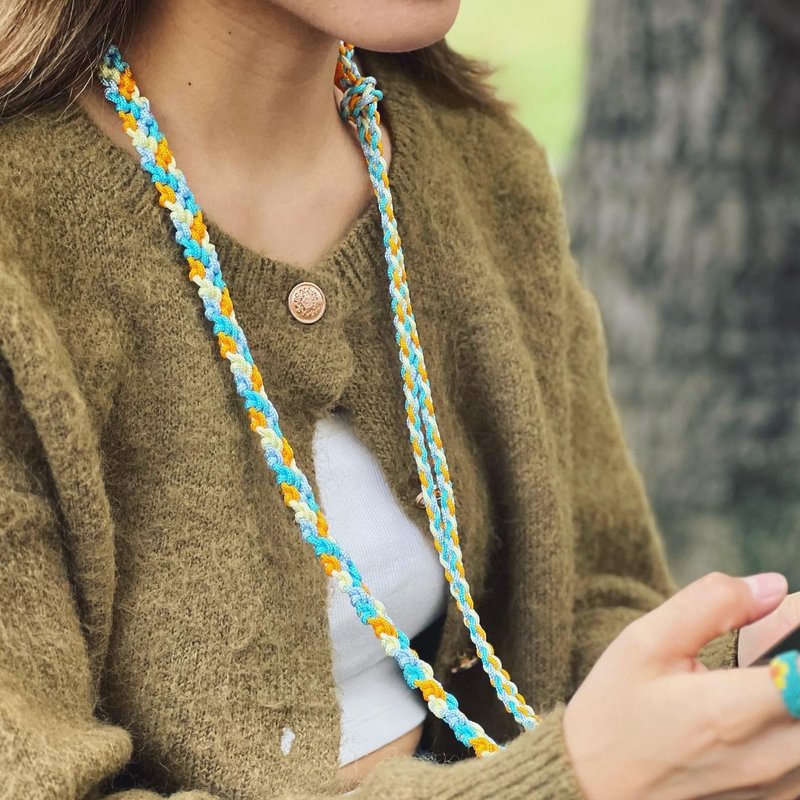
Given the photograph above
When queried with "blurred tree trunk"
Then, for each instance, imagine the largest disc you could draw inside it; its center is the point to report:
(684, 203)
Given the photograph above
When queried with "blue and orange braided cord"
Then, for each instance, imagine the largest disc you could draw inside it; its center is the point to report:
(359, 104)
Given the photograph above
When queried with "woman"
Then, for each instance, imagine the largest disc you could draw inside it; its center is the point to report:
(165, 630)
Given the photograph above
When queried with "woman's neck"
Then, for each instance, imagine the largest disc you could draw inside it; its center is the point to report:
(244, 93)
(246, 76)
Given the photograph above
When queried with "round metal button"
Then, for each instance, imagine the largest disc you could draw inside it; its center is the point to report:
(306, 302)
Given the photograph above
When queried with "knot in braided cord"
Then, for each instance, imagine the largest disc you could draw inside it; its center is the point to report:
(361, 93)
(360, 99)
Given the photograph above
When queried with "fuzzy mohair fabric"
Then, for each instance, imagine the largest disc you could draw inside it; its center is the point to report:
(161, 621)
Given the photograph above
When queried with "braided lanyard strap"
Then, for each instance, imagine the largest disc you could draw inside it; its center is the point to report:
(360, 104)
(205, 272)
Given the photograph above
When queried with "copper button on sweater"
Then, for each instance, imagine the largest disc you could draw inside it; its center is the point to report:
(306, 302)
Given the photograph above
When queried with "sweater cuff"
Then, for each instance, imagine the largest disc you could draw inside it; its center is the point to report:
(534, 766)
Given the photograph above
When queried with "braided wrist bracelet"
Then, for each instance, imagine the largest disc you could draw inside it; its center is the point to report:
(783, 670)
(358, 104)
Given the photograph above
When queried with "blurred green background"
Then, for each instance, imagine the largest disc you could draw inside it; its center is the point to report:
(538, 49)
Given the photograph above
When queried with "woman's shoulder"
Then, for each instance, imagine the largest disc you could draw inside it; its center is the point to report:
(483, 158)
(25, 172)
(46, 296)
(481, 177)
(34, 184)
(478, 124)
(30, 148)
(38, 172)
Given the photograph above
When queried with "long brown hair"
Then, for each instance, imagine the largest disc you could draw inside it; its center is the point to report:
(37, 34)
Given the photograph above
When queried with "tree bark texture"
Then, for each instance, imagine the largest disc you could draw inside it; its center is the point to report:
(684, 203)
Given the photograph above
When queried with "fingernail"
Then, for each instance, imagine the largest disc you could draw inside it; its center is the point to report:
(767, 585)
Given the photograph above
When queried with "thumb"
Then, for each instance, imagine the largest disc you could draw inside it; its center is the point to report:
(707, 608)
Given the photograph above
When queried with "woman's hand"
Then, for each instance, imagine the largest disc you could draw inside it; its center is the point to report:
(760, 636)
(650, 722)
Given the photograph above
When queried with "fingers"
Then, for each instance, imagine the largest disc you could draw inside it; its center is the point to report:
(749, 766)
(748, 722)
(711, 606)
(744, 700)
(767, 767)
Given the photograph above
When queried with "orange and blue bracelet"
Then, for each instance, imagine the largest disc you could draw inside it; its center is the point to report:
(783, 670)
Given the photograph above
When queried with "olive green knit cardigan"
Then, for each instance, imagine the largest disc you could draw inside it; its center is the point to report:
(162, 624)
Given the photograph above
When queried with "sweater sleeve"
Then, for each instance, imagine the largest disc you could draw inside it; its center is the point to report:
(621, 571)
(620, 562)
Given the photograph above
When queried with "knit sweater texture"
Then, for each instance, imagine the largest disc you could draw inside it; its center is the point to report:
(162, 624)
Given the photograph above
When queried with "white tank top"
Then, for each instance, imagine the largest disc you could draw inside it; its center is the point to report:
(395, 554)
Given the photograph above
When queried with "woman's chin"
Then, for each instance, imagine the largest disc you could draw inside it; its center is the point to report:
(408, 26)
(383, 25)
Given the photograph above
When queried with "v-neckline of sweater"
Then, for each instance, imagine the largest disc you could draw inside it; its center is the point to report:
(359, 248)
